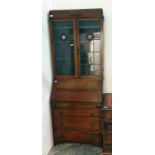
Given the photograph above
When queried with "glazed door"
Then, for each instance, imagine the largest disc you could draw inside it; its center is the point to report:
(77, 48)
(90, 49)
(63, 41)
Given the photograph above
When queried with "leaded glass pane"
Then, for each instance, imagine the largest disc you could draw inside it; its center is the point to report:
(64, 47)
(90, 37)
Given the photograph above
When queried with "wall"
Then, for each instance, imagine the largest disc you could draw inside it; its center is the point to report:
(106, 5)
(47, 137)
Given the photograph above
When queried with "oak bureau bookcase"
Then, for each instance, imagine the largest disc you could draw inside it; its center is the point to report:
(76, 39)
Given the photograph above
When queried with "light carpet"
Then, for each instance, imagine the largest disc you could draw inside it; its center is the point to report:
(75, 149)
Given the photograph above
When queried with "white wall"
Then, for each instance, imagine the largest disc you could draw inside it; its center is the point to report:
(106, 5)
(47, 137)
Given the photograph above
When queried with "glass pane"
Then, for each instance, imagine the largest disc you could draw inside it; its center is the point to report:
(90, 69)
(90, 36)
(64, 48)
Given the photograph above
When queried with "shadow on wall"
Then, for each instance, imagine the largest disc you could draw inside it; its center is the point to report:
(47, 134)
(45, 83)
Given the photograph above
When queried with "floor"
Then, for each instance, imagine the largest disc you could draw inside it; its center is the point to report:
(75, 149)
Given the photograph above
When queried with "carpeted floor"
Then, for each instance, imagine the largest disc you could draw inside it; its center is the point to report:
(75, 149)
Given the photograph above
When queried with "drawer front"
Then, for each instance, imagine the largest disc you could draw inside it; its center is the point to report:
(78, 95)
(108, 137)
(77, 136)
(79, 84)
(107, 127)
(77, 105)
(77, 123)
(107, 114)
(77, 90)
(74, 112)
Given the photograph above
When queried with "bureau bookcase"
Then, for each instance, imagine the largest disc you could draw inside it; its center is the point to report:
(76, 39)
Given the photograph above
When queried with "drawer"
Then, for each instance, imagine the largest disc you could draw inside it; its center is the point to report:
(77, 90)
(74, 112)
(107, 114)
(77, 136)
(77, 123)
(77, 105)
(79, 84)
(107, 138)
(77, 95)
(107, 127)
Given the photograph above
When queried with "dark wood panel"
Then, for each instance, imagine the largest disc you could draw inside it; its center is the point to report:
(107, 114)
(107, 126)
(77, 105)
(75, 112)
(108, 138)
(77, 136)
(77, 90)
(79, 84)
(78, 96)
(77, 123)
(69, 14)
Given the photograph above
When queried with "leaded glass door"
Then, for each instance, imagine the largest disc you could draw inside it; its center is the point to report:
(77, 47)
(63, 39)
(90, 47)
